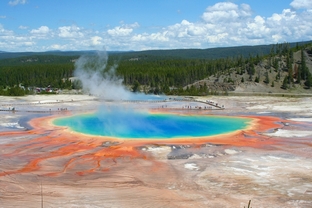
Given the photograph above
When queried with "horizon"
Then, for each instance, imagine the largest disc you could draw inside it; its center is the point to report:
(130, 50)
(35, 26)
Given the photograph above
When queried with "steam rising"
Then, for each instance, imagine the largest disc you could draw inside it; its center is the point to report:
(96, 79)
(99, 80)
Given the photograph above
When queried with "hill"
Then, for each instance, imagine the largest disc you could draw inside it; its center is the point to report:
(269, 78)
(210, 53)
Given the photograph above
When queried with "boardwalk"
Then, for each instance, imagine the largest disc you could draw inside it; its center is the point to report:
(42, 106)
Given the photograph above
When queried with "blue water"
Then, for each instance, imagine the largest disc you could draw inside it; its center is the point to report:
(138, 125)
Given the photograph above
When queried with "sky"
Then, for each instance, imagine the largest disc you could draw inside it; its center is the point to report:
(123, 25)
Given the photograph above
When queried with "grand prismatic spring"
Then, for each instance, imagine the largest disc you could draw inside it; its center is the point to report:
(130, 124)
(265, 159)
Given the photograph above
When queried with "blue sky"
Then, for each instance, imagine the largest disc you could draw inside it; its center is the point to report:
(42, 25)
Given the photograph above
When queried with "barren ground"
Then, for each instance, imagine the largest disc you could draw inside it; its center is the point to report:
(46, 168)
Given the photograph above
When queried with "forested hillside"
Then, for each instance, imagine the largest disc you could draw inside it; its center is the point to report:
(282, 69)
(210, 53)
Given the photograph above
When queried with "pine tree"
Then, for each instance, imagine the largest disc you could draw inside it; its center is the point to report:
(290, 75)
(308, 82)
(257, 79)
(303, 67)
(285, 83)
(266, 80)
(136, 86)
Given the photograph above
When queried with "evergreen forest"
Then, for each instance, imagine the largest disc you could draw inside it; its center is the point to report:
(171, 72)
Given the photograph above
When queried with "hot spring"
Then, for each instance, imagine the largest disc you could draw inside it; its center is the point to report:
(134, 124)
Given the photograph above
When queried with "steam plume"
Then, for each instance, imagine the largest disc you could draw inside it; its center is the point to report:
(91, 71)
(99, 80)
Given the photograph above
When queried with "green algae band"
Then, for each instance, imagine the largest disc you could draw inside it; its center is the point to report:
(144, 125)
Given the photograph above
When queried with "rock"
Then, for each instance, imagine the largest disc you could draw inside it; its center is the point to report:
(110, 143)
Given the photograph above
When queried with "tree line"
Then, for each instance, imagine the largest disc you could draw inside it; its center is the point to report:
(154, 74)
(34, 75)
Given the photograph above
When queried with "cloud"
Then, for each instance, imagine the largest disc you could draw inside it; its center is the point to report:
(119, 31)
(70, 32)
(41, 30)
(96, 40)
(290, 25)
(226, 12)
(160, 38)
(185, 29)
(23, 27)
(228, 24)
(301, 4)
(28, 43)
(123, 30)
(5, 33)
(57, 47)
(2, 17)
(16, 2)
(9, 41)
(220, 25)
